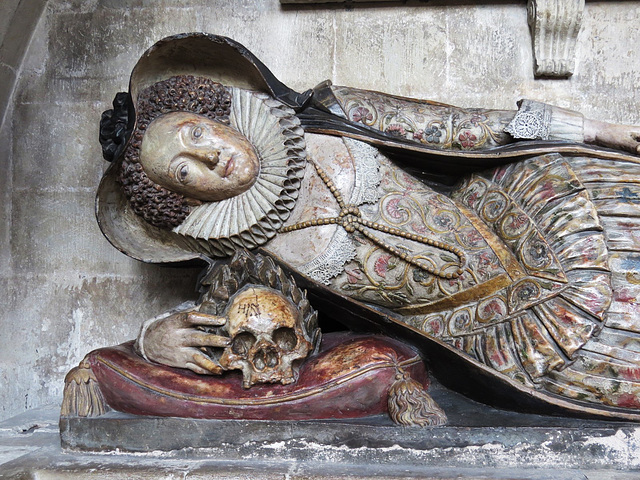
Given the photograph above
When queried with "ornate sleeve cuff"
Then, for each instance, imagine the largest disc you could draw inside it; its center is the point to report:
(540, 121)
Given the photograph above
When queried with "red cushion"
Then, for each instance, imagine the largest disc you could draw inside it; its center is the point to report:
(348, 378)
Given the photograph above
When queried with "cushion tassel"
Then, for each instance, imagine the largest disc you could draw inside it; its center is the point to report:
(82, 396)
(409, 404)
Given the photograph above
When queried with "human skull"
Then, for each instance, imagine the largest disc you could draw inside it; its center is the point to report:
(267, 336)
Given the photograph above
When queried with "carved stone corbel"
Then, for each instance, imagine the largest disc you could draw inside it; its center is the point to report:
(554, 27)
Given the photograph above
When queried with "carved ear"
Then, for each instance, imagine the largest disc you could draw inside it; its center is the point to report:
(193, 202)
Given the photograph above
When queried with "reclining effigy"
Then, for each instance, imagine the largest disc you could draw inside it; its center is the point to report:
(500, 242)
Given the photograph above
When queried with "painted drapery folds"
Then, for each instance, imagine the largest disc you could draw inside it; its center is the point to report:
(512, 248)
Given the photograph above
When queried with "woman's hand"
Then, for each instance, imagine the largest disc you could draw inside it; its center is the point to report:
(621, 137)
(176, 341)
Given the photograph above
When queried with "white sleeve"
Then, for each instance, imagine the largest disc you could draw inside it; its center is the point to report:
(541, 121)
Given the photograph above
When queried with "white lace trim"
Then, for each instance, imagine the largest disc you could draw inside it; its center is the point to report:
(531, 121)
(331, 262)
(367, 174)
(341, 248)
(539, 121)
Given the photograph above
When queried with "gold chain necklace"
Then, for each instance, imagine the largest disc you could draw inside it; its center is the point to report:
(351, 220)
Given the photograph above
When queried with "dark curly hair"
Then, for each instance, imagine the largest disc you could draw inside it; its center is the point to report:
(160, 206)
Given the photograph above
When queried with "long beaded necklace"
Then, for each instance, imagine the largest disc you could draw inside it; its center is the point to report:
(350, 218)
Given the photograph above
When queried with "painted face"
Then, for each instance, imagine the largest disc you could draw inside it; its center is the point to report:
(198, 157)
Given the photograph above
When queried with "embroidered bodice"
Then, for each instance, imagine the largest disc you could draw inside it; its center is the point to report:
(413, 244)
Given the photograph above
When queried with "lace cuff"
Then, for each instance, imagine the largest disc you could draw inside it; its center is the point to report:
(540, 121)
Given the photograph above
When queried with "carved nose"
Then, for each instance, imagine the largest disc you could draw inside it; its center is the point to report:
(266, 357)
(210, 158)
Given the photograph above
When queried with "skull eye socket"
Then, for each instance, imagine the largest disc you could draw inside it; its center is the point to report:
(285, 338)
(242, 343)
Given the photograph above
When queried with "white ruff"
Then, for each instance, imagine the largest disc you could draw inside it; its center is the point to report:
(253, 217)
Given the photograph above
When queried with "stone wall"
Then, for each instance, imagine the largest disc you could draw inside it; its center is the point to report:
(65, 290)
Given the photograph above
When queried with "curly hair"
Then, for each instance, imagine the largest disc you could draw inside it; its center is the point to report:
(160, 206)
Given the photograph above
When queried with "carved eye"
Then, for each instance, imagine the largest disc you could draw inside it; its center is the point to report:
(285, 338)
(242, 343)
(196, 132)
(183, 172)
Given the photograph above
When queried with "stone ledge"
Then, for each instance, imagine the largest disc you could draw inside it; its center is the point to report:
(477, 436)
(372, 448)
(51, 463)
(373, 441)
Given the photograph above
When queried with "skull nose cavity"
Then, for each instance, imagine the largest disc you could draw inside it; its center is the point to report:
(266, 357)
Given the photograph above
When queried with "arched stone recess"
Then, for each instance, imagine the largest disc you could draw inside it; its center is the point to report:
(18, 19)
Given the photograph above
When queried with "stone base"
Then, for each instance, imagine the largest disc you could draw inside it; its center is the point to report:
(576, 444)
(479, 443)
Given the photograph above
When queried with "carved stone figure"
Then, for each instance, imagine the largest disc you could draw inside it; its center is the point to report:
(501, 242)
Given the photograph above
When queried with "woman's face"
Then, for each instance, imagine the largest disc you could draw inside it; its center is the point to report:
(198, 157)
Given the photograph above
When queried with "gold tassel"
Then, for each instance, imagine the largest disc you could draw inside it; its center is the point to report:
(82, 396)
(409, 404)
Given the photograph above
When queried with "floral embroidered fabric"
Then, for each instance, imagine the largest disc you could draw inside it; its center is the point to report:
(434, 124)
(341, 248)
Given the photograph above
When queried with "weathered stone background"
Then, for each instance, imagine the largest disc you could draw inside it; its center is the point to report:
(64, 290)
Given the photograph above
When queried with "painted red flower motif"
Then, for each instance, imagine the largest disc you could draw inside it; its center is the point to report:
(518, 221)
(394, 210)
(353, 275)
(484, 262)
(624, 296)
(419, 228)
(630, 373)
(475, 119)
(435, 327)
(473, 238)
(492, 309)
(497, 359)
(362, 114)
(628, 400)
(381, 266)
(396, 130)
(467, 139)
(548, 190)
(500, 175)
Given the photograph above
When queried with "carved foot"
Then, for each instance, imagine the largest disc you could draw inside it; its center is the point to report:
(409, 404)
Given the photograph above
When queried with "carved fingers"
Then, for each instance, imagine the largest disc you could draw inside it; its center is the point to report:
(636, 139)
(204, 319)
(621, 137)
(632, 144)
(202, 364)
(178, 341)
(193, 342)
(197, 338)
